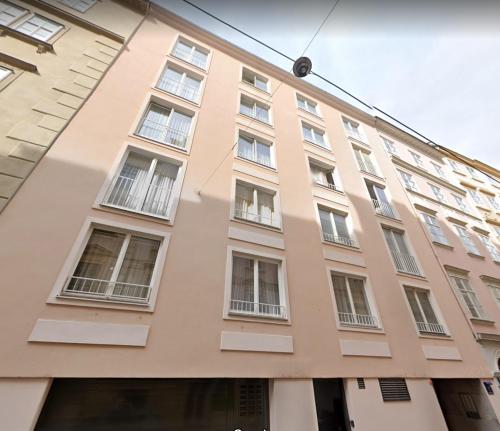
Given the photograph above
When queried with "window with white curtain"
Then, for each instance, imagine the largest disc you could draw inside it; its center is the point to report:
(476, 197)
(401, 255)
(256, 204)
(418, 159)
(334, 227)
(166, 125)
(486, 240)
(439, 170)
(365, 161)
(313, 135)
(4, 73)
(438, 193)
(380, 200)
(468, 296)
(423, 312)
(115, 265)
(255, 79)
(10, 12)
(256, 150)
(353, 307)
(191, 53)
(254, 109)
(390, 146)
(473, 173)
(461, 203)
(307, 105)
(181, 83)
(493, 202)
(353, 129)
(457, 167)
(144, 184)
(79, 5)
(39, 27)
(467, 240)
(257, 287)
(434, 229)
(324, 176)
(408, 181)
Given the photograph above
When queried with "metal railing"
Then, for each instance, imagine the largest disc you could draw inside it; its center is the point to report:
(257, 309)
(384, 208)
(105, 289)
(339, 240)
(167, 135)
(328, 185)
(358, 319)
(431, 328)
(368, 167)
(405, 263)
(121, 196)
(199, 60)
(179, 89)
(244, 214)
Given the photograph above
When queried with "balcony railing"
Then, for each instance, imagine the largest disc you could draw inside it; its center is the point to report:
(199, 60)
(368, 167)
(405, 263)
(178, 88)
(105, 289)
(358, 320)
(328, 185)
(384, 208)
(272, 220)
(431, 328)
(257, 309)
(339, 240)
(164, 134)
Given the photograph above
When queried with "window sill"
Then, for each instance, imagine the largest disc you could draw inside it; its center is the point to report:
(322, 186)
(389, 218)
(328, 149)
(429, 336)
(264, 92)
(202, 69)
(365, 329)
(269, 168)
(42, 45)
(160, 144)
(235, 316)
(346, 247)
(182, 99)
(358, 141)
(257, 224)
(256, 120)
(477, 256)
(481, 321)
(440, 244)
(316, 116)
(131, 213)
(99, 303)
(414, 276)
(378, 177)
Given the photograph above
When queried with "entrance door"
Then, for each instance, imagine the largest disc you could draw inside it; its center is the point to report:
(331, 407)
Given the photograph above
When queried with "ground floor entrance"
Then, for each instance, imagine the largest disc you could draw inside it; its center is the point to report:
(331, 408)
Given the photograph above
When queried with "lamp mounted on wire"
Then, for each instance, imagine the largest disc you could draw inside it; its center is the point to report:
(302, 67)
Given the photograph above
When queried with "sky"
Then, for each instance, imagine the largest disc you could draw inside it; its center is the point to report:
(434, 65)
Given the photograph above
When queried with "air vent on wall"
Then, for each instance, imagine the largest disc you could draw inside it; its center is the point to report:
(361, 383)
(394, 389)
(251, 400)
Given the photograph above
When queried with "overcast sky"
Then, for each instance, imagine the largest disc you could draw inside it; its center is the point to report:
(435, 65)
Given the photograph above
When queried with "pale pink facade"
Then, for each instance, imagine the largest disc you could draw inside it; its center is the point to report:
(334, 264)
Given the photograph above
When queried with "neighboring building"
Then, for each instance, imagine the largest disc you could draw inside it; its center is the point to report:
(52, 55)
(203, 249)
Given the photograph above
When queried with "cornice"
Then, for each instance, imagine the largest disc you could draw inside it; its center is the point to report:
(16, 62)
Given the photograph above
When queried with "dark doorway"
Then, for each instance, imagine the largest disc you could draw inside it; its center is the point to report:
(331, 407)
(156, 405)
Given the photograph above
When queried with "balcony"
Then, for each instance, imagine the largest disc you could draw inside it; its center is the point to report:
(105, 289)
(163, 134)
(180, 89)
(190, 56)
(406, 263)
(431, 328)
(364, 320)
(384, 209)
(257, 309)
(245, 214)
(342, 240)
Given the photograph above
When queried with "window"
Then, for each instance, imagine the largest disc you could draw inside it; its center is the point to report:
(434, 229)
(401, 255)
(166, 125)
(79, 5)
(476, 197)
(254, 79)
(493, 202)
(496, 229)
(4, 73)
(307, 105)
(254, 109)
(408, 181)
(10, 12)
(439, 170)
(421, 308)
(469, 406)
(394, 389)
(365, 162)
(438, 193)
(473, 173)
(180, 83)
(461, 203)
(256, 204)
(352, 303)
(495, 290)
(467, 240)
(495, 255)
(255, 150)
(323, 175)
(353, 129)
(257, 287)
(39, 27)
(380, 200)
(468, 296)
(418, 159)
(190, 53)
(115, 266)
(390, 146)
(455, 166)
(334, 227)
(315, 136)
(144, 184)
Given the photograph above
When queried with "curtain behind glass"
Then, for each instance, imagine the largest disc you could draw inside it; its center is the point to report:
(139, 261)
(268, 284)
(246, 107)
(341, 225)
(359, 300)
(414, 306)
(263, 154)
(244, 200)
(423, 298)
(178, 129)
(170, 80)
(341, 295)
(326, 224)
(154, 125)
(245, 147)
(160, 189)
(266, 207)
(242, 280)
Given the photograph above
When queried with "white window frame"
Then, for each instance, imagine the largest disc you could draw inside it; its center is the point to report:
(492, 249)
(36, 15)
(439, 170)
(77, 250)
(466, 240)
(194, 46)
(383, 203)
(476, 197)
(438, 194)
(492, 201)
(255, 103)
(23, 12)
(350, 242)
(266, 189)
(408, 181)
(431, 223)
(365, 161)
(282, 285)
(311, 106)
(412, 268)
(350, 126)
(315, 130)
(256, 139)
(185, 74)
(327, 167)
(248, 71)
(461, 204)
(425, 328)
(417, 158)
(390, 146)
(468, 291)
(77, 4)
(455, 166)
(473, 173)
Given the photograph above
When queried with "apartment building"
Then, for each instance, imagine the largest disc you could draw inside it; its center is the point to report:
(52, 55)
(214, 244)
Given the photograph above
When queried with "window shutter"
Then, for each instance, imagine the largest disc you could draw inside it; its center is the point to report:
(394, 389)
